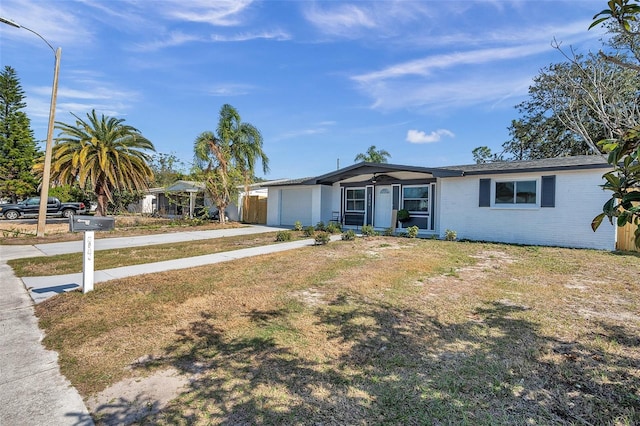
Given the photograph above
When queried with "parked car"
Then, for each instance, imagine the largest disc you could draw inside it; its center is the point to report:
(31, 207)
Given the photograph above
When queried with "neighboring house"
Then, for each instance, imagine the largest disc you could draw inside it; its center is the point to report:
(147, 205)
(184, 198)
(538, 202)
(177, 200)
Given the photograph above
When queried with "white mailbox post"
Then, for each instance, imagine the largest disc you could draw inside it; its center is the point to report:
(87, 261)
(89, 224)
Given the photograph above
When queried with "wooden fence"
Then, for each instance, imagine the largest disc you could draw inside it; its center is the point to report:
(626, 238)
(256, 210)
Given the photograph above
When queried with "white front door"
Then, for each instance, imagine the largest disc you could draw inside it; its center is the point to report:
(382, 207)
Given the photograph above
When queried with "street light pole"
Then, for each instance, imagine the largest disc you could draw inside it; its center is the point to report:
(46, 176)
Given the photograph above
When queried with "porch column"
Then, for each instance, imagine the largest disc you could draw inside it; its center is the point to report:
(192, 203)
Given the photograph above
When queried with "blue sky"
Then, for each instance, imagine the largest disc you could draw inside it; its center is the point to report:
(427, 81)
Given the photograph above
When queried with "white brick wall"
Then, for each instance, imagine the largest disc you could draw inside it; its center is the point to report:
(579, 198)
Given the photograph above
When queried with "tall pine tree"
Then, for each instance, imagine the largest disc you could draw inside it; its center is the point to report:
(18, 149)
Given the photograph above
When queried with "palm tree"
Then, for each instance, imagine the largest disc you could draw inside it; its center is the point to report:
(211, 159)
(373, 156)
(102, 153)
(233, 151)
(246, 149)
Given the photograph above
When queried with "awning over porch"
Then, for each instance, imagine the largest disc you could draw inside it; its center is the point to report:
(189, 187)
(186, 186)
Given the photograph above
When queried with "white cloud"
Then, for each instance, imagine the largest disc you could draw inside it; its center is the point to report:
(125, 15)
(459, 91)
(95, 93)
(57, 25)
(232, 89)
(83, 92)
(569, 32)
(317, 129)
(299, 133)
(418, 136)
(492, 65)
(175, 38)
(425, 66)
(340, 20)
(370, 19)
(66, 109)
(278, 35)
(225, 13)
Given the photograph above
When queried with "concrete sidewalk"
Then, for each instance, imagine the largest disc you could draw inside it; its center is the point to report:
(52, 249)
(42, 288)
(32, 389)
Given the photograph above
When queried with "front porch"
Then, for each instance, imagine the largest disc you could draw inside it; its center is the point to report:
(376, 193)
(362, 194)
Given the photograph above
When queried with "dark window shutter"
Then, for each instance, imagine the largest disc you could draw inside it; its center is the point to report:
(485, 193)
(369, 206)
(548, 198)
(396, 197)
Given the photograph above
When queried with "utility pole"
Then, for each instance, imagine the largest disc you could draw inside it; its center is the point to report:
(46, 175)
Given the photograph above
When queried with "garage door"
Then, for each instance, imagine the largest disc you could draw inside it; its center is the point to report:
(295, 205)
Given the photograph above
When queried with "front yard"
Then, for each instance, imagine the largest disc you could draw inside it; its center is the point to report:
(379, 330)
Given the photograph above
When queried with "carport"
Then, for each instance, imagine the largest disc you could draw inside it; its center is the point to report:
(170, 202)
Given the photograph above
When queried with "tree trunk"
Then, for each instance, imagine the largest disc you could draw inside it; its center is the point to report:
(245, 199)
(222, 172)
(101, 210)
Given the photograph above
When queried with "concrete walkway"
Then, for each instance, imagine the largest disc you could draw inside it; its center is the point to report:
(42, 288)
(32, 389)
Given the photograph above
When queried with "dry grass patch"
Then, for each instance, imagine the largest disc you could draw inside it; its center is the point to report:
(374, 331)
(105, 259)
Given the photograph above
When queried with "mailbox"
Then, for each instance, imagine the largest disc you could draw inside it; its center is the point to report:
(91, 223)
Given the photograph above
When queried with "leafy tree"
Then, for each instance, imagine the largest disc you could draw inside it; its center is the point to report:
(18, 150)
(104, 154)
(538, 135)
(373, 155)
(121, 198)
(482, 154)
(228, 158)
(571, 106)
(211, 164)
(597, 100)
(621, 20)
(70, 193)
(166, 168)
(624, 147)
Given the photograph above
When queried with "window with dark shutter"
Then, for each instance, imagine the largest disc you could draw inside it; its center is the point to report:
(548, 198)
(485, 193)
